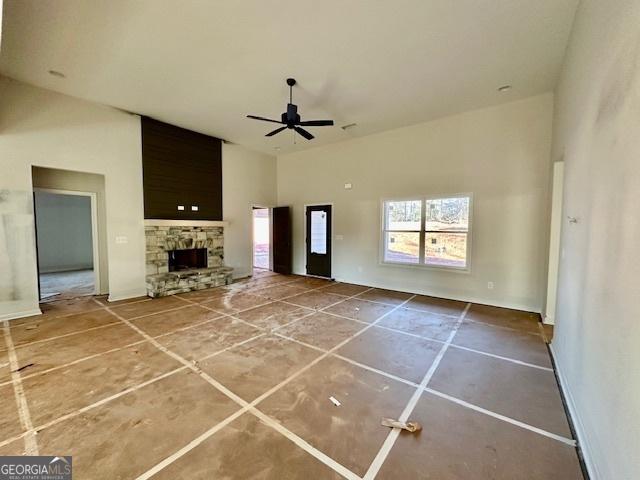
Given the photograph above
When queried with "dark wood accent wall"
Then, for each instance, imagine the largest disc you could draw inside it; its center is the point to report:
(180, 167)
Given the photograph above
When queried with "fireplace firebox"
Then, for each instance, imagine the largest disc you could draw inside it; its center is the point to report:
(187, 259)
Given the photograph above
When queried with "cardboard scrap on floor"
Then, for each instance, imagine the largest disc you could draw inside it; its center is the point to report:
(408, 426)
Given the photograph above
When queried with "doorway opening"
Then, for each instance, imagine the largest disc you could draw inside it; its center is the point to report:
(66, 243)
(261, 238)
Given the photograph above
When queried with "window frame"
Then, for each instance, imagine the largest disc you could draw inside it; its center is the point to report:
(422, 233)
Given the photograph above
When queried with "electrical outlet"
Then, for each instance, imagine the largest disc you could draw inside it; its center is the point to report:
(490, 285)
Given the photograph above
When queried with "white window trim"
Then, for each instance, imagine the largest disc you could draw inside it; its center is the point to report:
(421, 264)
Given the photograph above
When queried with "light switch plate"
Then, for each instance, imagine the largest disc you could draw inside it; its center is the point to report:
(348, 186)
(120, 239)
(339, 237)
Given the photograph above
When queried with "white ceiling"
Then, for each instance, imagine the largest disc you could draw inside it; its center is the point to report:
(205, 65)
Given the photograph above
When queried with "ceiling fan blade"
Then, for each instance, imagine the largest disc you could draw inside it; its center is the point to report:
(316, 123)
(304, 133)
(277, 130)
(263, 119)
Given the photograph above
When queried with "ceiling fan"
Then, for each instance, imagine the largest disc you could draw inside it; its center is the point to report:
(291, 119)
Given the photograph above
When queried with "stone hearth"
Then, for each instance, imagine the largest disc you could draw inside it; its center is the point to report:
(162, 237)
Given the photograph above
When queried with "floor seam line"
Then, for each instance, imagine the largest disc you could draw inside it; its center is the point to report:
(299, 307)
(124, 392)
(237, 399)
(24, 416)
(265, 395)
(386, 447)
(252, 407)
(423, 337)
(70, 334)
(451, 398)
(512, 421)
(74, 362)
(113, 350)
(431, 339)
(91, 406)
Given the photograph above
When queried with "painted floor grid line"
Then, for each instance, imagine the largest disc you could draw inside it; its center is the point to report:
(322, 457)
(375, 466)
(242, 402)
(560, 438)
(30, 441)
(244, 330)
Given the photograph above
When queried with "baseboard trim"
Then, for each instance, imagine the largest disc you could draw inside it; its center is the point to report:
(115, 297)
(25, 313)
(585, 449)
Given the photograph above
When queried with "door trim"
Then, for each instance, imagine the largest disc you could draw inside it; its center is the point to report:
(94, 230)
(304, 225)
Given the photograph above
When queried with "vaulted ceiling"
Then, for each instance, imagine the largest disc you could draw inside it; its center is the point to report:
(205, 65)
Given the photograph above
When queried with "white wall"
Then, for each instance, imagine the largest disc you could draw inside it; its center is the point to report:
(500, 154)
(596, 342)
(39, 127)
(63, 232)
(248, 179)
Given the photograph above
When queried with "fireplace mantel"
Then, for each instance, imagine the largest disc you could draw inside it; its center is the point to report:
(185, 223)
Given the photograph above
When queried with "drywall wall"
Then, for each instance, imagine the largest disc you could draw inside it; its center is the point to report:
(597, 333)
(248, 179)
(39, 127)
(63, 232)
(57, 179)
(500, 154)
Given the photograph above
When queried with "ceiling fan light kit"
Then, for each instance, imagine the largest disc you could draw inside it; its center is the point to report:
(291, 118)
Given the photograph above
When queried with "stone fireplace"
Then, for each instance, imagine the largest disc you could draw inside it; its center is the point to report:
(183, 255)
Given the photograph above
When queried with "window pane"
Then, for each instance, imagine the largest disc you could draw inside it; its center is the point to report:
(446, 249)
(402, 247)
(450, 214)
(403, 215)
(318, 232)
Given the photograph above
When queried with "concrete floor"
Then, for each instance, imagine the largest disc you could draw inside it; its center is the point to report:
(64, 285)
(235, 383)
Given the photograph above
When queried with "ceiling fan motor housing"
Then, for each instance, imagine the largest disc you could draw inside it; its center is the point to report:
(291, 117)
